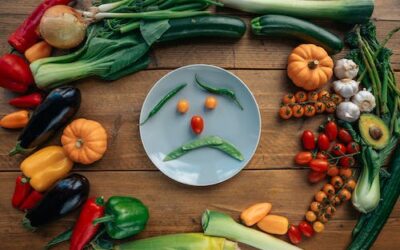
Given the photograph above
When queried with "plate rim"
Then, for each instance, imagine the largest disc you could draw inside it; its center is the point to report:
(259, 123)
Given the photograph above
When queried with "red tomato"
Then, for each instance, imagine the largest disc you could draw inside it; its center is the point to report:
(347, 162)
(322, 156)
(323, 142)
(331, 130)
(352, 148)
(333, 171)
(339, 149)
(197, 124)
(315, 177)
(303, 158)
(306, 229)
(344, 136)
(308, 140)
(294, 234)
(319, 165)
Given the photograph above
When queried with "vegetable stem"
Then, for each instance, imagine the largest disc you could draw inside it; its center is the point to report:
(161, 14)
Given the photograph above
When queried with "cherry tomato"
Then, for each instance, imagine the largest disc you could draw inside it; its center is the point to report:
(315, 177)
(312, 96)
(298, 110)
(328, 189)
(319, 107)
(310, 216)
(319, 165)
(324, 95)
(323, 142)
(320, 196)
(337, 182)
(344, 136)
(211, 102)
(339, 149)
(330, 107)
(333, 170)
(285, 112)
(331, 130)
(182, 106)
(344, 195)
(315, 206)
(352, 148)
(330, 210)
(306, 229)
(197, 124)
(309, 110)
(303, 158)
(336, 98)
(345, 173)
(288, 99)
(294, 234)
(301, 96)
(351, 184)
(308, 140)
(318, 226)
(347, 162)
(323, 218)
(322, 156)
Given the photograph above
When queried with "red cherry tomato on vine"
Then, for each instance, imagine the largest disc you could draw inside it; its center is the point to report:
(308, 140)
(333, 171)
(294, 234)
(303, 158)
(197, 124)
(306, 229)
(344, 136)
(352, 148)
(323, 142)
(331, 130)
(322, 156)
(339, 149)
(347, 162)
(319, 165)
(315, 177)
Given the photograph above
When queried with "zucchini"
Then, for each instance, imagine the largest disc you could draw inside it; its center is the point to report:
(204, 26)
(284, 26)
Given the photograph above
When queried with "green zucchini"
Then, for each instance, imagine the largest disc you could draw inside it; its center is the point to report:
(284, 26)
(204, 26)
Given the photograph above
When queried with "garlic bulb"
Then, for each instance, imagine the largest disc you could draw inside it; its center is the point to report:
(345, 68)
(346, 87)
(365, 100)
(348, 111)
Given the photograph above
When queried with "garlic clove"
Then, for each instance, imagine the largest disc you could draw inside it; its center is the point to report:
(345, 68)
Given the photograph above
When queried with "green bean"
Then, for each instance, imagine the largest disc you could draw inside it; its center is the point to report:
(208, 141)
(163, 101)
(219, 91)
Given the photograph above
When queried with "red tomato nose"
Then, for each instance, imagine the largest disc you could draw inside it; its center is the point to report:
(197, 124)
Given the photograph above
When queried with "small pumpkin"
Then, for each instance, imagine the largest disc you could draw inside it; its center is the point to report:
(309, 66)
(84, 141)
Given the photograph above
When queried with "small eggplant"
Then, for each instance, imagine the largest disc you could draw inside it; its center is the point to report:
(54, 113)
(65, 196)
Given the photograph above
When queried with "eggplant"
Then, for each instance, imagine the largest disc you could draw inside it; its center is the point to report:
(54, 113)
(65, 196)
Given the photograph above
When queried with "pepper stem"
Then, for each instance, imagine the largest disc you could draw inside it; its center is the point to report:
(19, 150)
(99, 201)
(103, 219)
(313, 64)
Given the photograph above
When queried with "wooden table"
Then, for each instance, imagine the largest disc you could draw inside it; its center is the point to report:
(125, 170)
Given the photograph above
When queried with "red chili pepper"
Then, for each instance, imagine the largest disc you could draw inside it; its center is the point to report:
(30, 202)
(27, 101)
(84, 230)
(21, 191)
(27, 33)
(15, 74)
(294, 234)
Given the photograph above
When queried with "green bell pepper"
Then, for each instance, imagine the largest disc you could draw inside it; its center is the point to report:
(124, 217)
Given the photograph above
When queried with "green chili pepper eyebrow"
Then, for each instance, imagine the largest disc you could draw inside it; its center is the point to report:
(163, 101)
(219, 91)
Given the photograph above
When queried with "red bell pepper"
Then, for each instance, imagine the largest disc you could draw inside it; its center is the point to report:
(27, 33)
(25, 197)
(84, 229)
(27, 101)
(15, 74)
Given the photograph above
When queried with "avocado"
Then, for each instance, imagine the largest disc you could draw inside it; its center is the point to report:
(374, 131)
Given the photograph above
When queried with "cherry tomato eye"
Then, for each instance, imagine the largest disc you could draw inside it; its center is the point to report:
(197, 124)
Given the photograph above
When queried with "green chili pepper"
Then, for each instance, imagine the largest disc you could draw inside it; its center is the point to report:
(163, 101)
(125, 216)
(219, 91)
(208, 141)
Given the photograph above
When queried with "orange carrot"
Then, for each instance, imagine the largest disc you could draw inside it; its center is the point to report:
(255, 213)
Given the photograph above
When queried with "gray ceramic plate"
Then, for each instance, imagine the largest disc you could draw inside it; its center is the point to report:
(168, 129)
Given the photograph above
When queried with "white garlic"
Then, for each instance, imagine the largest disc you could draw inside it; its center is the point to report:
(365, 100)
(345, 68)
(348, 111)
(346, 87)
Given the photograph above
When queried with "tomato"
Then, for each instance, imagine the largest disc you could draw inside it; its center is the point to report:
(331, 130)
(323, 218)
(315, 206)
(301, 96)
(310, 216)
(352, 148)
(197, 124)
(337, 182)
(344, 195)
(323, 142)
(347, 162)
(328, 189)
(312, 96)
(285, 112)
(330, 107)
(345, 173)
(294, 234)
(315, 177)
(318, 226)
(330, 210)
(344, 136)
(322, 156)
(339, 149)
(351, 184)
(333, 170)
(303, 158)
(298, 110)
(336, 98)
(211, 102)
(324, 95)
(320, 196)
(309, 110)
(319, 165)
(288, 99)
(182, 106)
(319, 107)
(306, 229)
(308, 140)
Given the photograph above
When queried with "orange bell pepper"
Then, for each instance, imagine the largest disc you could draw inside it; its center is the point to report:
(45, 167)
(17, 119)
(38, 51)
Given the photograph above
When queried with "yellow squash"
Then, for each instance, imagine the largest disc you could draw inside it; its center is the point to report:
(45, 167)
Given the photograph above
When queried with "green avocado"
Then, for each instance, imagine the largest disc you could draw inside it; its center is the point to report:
(374, 131)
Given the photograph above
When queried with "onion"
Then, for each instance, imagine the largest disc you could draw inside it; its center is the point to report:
(62, 27)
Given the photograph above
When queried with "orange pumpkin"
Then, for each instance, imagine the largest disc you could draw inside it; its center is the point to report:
(84, 141)
(309, 66)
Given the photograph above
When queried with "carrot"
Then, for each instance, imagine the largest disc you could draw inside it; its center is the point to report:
(274, 224)
(17, 119)
(255, 213)
(38, 51)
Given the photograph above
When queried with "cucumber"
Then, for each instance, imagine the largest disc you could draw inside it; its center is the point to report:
(204, 26)
(284, 26)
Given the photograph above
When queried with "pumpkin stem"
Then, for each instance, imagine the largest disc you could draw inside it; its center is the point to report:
(79, 143)
(313, 64)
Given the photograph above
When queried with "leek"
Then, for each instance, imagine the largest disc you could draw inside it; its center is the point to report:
(348, 11)
(222, 225)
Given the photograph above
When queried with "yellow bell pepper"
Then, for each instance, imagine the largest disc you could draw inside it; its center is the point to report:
(45, 167)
